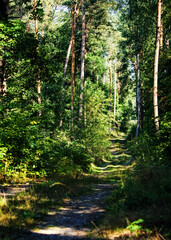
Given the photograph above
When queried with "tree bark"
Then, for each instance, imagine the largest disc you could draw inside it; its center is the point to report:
(118, 92)
(85, 106)
(97, 82)
(110, 78)
(156, 63)
(69, 48)
(82, 61)
(138, 101)
(4, 9)
(115, 91)
(73, 66)
(67, 60)
(37, 38)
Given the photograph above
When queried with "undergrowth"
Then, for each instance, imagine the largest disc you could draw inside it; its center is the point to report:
(141, 193)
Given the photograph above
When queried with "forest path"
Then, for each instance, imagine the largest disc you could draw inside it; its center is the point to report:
(75, 219)
(78, 215)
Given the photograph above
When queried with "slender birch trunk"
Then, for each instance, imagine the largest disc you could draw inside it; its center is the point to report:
(73, 66)
(156, 63)
(138, 101)
(115, 91)
(118, 92)
(110, 78)
(82, 61)
(67, 60)
(37, 38)
(85, 106)
(161, 31)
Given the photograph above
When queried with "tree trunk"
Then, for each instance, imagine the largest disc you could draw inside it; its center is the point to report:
(73, 66)
(37, 38)
(141, 90)
(82, 61)
(67, 60)
(138, 101)
(97, 78)
(66, 64)
(118, 92)
(85, 106)
(4, 8)
(161, 31)
(115, 91)
(110, 78)
(156, 62)
(69, 47)
(21, 9)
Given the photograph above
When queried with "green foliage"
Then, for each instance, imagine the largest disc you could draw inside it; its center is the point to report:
(62, 157)
(146, 187)
(134, 226)
(95, 135)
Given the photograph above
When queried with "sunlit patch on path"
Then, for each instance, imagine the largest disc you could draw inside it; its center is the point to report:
(75, 219)
(8, 191)
(121, 159)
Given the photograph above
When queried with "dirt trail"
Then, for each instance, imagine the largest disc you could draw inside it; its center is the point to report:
(9, 191)
(74, 220)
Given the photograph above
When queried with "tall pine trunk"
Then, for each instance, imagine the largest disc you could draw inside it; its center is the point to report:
(73, 66)
(4, 9)
(69, 47)
(82, 61)
(156, 63)
(66, 64)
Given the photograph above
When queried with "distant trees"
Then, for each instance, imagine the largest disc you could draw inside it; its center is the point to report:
(138, 27)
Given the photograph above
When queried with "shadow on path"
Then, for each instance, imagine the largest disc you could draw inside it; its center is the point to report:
(74, 220)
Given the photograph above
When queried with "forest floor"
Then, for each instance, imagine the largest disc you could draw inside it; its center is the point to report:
(81, 208)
